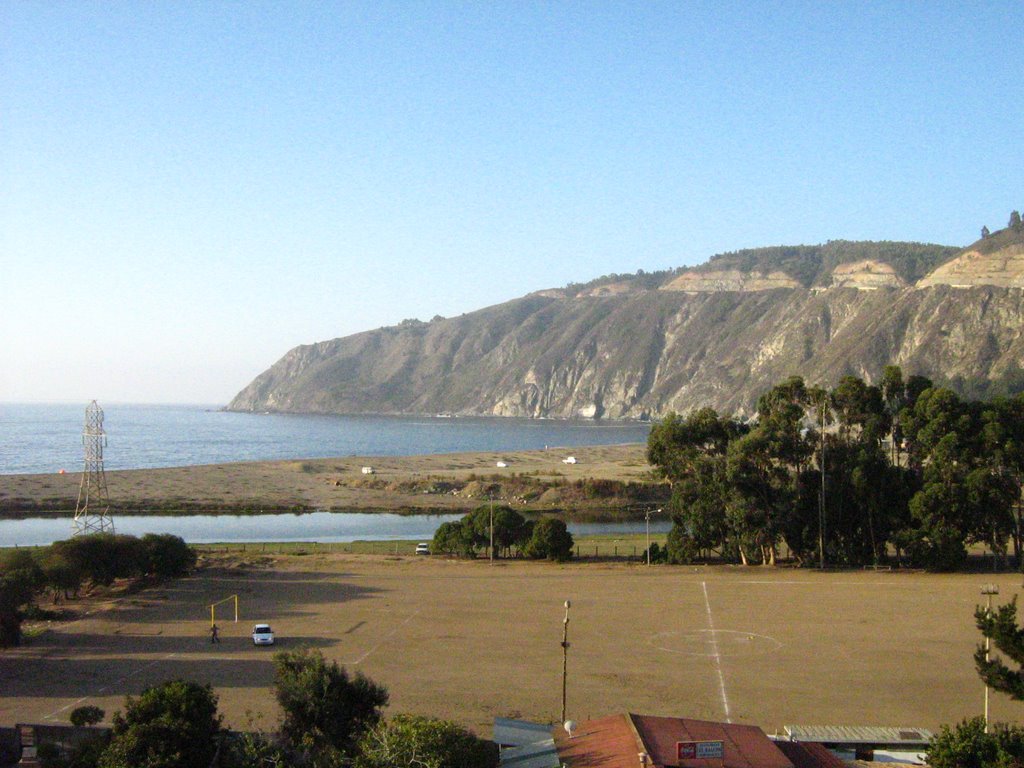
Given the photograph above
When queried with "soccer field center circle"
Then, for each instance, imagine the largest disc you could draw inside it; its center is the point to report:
(714, 643)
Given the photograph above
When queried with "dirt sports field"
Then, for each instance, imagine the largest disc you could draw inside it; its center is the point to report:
(469, 641)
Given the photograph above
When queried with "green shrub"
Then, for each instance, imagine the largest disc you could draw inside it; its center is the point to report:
(680, 548)
(87, 715)
(550, 540)
(167, 555)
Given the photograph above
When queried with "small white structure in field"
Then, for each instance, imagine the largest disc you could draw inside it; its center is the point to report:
(501, 464)
(367, 470)
(569, 460)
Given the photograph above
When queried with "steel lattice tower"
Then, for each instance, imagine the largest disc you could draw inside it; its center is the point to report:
(92, 513)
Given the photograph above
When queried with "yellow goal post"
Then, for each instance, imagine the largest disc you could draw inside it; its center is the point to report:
(213, 608)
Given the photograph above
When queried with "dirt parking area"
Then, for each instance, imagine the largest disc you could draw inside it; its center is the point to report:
(469, 641)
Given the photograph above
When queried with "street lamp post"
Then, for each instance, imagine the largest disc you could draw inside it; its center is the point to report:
(565, 655)
(988, 590)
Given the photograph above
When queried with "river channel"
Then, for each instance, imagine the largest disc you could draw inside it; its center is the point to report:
(323, 527)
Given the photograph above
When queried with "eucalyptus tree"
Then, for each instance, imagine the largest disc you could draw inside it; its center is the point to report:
(1002, 437)
(961, 451)
(894, 395)
(763, 468)
(691, 453)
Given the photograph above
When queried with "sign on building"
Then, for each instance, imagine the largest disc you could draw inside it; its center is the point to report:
(700, 750)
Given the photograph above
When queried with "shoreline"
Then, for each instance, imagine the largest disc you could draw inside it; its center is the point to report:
(601, 484)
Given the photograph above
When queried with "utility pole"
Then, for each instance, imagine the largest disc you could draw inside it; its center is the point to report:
(988, 590)
(491, 498)
(565, 655)
(821, 499)
(647, 517)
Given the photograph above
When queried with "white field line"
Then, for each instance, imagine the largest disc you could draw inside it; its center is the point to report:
(386, 637)
(781, 582)
(105, 688)
(715, 654)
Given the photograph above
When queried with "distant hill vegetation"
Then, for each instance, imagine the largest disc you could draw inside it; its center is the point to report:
(809, 265)
(812, 265)
(641, 345)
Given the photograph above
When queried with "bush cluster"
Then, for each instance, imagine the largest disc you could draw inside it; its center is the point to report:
(547, 538)
(65, 566)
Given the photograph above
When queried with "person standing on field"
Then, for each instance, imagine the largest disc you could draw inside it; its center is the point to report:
(214, 634)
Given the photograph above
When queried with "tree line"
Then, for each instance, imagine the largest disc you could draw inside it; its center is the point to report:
(329, 719)
(854, 475)
(65, 566)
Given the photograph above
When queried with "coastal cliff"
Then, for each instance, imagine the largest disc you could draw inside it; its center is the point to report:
(639, 346)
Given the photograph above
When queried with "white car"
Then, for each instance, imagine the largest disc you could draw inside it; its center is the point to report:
(262, 634)
(422, 548)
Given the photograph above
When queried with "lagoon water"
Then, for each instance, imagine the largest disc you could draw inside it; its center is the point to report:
(314, 526)
(38, 438)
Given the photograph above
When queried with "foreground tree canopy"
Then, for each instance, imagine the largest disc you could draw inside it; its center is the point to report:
(331, 719)
(169, 725)
(1000, 626)
(412, 741)
(326, 710)
(969, 746)
(843, 476)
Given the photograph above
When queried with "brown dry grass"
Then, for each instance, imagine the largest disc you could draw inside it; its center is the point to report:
(327, 483)
(468, 641)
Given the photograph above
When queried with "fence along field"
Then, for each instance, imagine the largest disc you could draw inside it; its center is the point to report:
(470, 641)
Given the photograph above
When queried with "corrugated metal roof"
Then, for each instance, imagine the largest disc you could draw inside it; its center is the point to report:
(528, 745)
(744, 746)
(853, 735)
(519, 732)
(540, 755)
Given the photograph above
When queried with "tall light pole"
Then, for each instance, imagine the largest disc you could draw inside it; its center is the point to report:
(988, 590)
(565, 655)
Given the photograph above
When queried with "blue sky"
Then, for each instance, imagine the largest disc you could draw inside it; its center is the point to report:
(190, 189)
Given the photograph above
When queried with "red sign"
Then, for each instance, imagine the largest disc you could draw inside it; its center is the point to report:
(700, 750)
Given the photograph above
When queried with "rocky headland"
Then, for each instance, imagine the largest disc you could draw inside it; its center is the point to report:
(639, 346)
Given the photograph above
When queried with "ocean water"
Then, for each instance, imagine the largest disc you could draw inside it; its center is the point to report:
(42, 438)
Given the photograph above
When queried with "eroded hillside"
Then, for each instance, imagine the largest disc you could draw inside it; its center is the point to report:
(640, 346)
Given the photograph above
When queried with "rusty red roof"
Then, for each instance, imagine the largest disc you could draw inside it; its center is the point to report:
(744, 746)
(608, 742)
(617, 741)
(809, 754)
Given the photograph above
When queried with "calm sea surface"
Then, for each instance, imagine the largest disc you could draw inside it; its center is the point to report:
(48, 438)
